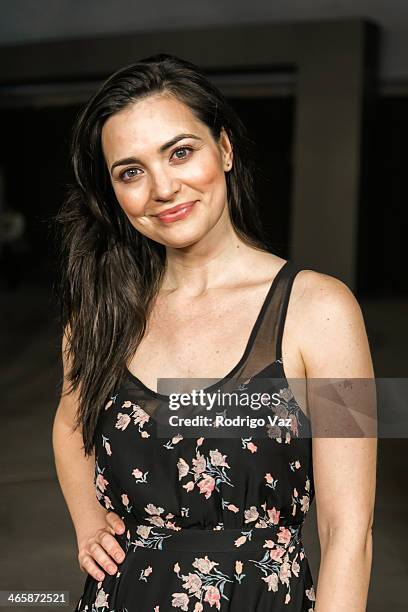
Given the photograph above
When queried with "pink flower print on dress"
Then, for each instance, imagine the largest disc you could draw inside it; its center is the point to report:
(189, 486)
(206, 485)
(277, 553)
(304, 501)
(272, 582)
(294, 465)
(143, 530)
(183, 468)
(110, 402)
(273, 515)
(199, 463)
(204, 564)
(145, 537)
(180, 600)
(108, 503)
(251, 514)
(101, 485)
(139, 475)
(276, 563)
(192, 583)
(212, 596)
(295, 568)
(170, 444)
(286, 394)
(101, 482)
(239, 575)
(156, 519)
(294, 426)
(232, 507)
(154, 513)
(246, 443)
(207, 584)
(122, 421)
(125, 499)
(217, 458)
(145, 573)
(269, 517)
(270, 481)
(284, 535)
(240, 541)
(285, 573)
(139, 416)
(207, 473)
(101, 600)
(310, 594)
(274, 432)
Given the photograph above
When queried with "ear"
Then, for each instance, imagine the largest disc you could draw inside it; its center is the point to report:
(226, 150)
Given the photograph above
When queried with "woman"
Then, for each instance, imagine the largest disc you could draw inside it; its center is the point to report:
(198, 521)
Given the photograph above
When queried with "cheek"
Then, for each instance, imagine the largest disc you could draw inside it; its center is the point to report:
(131, 200)
(205, 174)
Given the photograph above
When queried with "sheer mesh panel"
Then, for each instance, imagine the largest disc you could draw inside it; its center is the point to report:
(266, 347)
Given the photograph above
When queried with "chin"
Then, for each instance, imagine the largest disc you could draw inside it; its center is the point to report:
(182, 243)
(182, 238)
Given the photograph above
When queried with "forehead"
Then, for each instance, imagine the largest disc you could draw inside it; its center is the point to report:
(148, 122)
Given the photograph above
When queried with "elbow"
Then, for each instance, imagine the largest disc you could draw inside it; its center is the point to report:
(356, 534)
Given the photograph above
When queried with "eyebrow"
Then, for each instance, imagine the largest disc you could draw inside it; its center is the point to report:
(133, 160)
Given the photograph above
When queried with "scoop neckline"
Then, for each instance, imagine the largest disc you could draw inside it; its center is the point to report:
(251, 338)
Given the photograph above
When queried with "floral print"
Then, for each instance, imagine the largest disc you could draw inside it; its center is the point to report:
(206, 583)
(207, 472)
(203, 469)
(211, 523)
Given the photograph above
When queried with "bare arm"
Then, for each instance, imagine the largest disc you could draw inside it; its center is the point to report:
(336, 346)
(75, 474)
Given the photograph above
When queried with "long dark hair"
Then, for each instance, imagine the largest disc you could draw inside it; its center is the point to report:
(109, 273)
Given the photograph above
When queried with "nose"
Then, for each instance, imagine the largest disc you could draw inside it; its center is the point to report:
(164, 184)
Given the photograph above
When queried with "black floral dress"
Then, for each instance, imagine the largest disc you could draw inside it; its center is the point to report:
(212, 522)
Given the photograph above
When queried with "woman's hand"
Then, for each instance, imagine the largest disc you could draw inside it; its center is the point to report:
(102, 549)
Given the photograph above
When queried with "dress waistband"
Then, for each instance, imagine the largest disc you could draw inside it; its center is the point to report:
(246, 538)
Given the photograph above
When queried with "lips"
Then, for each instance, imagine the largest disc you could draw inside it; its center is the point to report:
(174, 208)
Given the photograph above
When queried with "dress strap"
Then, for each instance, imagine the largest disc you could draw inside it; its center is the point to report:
(266, 347)
(287, 283)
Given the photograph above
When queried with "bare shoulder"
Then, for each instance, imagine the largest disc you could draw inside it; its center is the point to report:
(333, 340)
(320, 291)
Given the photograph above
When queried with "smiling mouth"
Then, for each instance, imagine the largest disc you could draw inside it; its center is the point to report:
(180, 213)
(175, 210)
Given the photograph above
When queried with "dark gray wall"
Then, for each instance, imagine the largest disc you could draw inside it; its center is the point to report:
(29, 20)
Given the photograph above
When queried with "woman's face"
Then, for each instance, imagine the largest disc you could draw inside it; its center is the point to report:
(154, 166)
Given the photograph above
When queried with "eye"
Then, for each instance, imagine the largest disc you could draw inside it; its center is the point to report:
(183, 149)
(123, 174)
